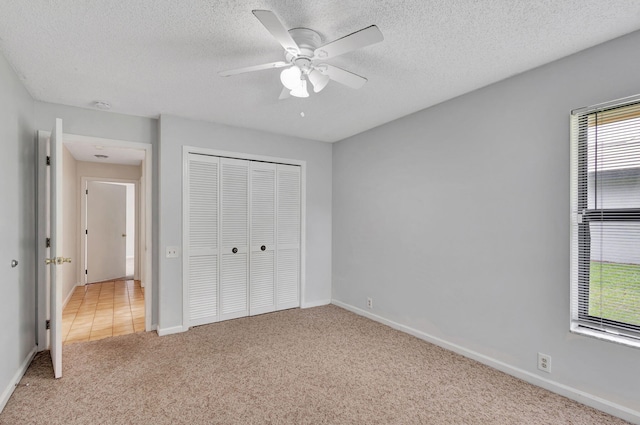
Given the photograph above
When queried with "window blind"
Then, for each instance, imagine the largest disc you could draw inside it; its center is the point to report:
(605, 220)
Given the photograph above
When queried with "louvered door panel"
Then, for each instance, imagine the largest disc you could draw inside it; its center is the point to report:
(233, 286)
(235, 202)
(288, 278)
(263, 223)
(202, 240)
(262, 283)
(234, 205)
(263, 204)
(203, 289)
(203, 205)
(288, 237)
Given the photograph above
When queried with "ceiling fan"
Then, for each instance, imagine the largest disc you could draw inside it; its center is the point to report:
(305, 56)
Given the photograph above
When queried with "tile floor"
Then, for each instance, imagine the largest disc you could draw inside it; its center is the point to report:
(102, 310)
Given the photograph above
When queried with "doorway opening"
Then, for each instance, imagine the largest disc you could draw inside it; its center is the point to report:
(111, 300)
(119, 301)
(109, 228)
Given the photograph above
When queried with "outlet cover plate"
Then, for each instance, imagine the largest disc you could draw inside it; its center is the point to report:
(173, 252)
(544, 362)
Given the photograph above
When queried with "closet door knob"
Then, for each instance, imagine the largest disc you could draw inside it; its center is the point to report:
(262, 248)
(234, 250)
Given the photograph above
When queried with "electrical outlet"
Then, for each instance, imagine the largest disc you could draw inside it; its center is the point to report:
(172, 252)
(369, 302)
(544, 362)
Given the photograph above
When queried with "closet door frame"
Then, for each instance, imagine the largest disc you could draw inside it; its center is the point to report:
(186, 150)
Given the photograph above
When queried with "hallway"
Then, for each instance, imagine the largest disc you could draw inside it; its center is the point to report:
(102, 310)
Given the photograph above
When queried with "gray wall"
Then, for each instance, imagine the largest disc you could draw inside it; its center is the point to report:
(71, 216)
(176, 132)
(109, 125)
(455, 220)
(17, 228)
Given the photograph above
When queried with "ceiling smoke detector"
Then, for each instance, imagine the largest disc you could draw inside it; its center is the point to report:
(102, 105)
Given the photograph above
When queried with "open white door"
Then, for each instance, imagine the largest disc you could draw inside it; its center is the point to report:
(55, 260)
(106, 231)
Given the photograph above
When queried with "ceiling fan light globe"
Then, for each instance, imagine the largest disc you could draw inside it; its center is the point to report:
(318, 80)
(301, 90)
(290, 77)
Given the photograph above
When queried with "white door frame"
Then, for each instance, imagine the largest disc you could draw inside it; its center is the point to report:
(83, 222)
(42, 298)
(146, 234)
(186, 150)
(54, 211)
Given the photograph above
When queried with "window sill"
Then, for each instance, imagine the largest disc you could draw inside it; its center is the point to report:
(606, 336)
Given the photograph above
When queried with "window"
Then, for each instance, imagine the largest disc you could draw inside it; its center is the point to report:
(605, 221)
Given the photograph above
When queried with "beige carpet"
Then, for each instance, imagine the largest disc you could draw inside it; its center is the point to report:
(322, 365)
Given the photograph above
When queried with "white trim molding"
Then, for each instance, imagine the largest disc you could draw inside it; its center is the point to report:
(69, 295)
(6, 393)
(555, 387)
(172, 330)
(316, 303)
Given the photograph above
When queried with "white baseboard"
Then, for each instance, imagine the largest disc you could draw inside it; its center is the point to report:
(312, 304)
(171, 331)
(590, 400)
(6, 394)
(70, 294)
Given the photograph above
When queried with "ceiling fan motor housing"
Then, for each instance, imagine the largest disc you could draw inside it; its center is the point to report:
(308, 41)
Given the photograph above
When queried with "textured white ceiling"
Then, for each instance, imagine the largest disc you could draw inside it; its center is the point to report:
(83, 151)
(151, 57)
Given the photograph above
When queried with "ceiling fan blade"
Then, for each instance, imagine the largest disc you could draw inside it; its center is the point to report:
(277, 30)
(347, 78)
(284, 94)
(278, 64)
(364, 37)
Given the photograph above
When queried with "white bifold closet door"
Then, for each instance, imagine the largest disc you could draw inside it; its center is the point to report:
(263, 243)
(234, 228)
(242, 234)
(202, 239)
(288, 237)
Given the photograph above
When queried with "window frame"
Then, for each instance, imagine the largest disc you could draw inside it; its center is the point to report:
(581, 218)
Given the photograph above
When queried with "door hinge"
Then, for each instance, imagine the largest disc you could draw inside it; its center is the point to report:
(86, 191)
(86, 231)
(48, 160)
(48, 324)
(85, 271)
(48, 243)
